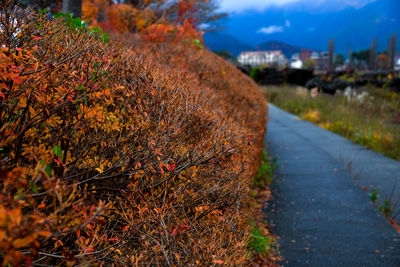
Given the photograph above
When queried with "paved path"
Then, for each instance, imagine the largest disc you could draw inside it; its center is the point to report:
(322, 218)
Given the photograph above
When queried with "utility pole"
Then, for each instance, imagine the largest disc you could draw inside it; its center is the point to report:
(372, 55)
(351, 59)
(330, 53)
(391, 50)
(72, 6)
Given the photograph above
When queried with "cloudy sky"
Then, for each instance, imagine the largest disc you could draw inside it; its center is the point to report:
(238, 6)
(311, 23)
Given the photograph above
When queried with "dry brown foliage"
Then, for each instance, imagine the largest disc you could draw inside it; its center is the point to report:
(128, 153)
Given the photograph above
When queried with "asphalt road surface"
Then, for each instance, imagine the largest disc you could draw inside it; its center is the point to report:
(319, 211)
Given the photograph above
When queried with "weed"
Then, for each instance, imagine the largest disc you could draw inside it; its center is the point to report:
(312, 116)
(389, 204)
(266, 171)
(374, 195)
(386, 208)
(260, 243)
(372, 124)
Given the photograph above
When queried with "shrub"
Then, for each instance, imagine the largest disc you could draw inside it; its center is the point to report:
(255, 73)
(124, 152)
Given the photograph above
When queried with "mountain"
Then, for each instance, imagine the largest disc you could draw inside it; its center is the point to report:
(312, 28)
(221, 41)
(287, 49)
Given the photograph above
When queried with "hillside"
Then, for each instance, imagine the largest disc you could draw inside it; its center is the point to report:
(140, 150)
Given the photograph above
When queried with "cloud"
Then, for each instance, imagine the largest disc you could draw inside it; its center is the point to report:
(356, 3)
(257, 5)
(275, 28)
(238, 6)
(271, 29)
(204, 26)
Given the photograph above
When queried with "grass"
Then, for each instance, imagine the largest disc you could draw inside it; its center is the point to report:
(265, 172)
(375, 123)
(261, 242)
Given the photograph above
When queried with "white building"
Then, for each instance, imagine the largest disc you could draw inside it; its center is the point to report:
(295, 62)
(262, 57)
(397, 64)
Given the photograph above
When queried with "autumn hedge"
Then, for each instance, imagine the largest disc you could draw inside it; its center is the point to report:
(134, 151)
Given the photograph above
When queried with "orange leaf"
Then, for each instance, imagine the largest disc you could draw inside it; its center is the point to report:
(22, 242)
(45, 233)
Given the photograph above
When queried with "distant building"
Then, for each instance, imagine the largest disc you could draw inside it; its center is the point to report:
(295, 57)
(296, 62)
(305, 54)
(258, 58)
(397, 63)
(321, 60)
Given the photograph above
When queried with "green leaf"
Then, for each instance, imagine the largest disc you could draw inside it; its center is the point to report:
(85, 97)
(57, 151)
(197, 42)
(47, 170)
(43, 12)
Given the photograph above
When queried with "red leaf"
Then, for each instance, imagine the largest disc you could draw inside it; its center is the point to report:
(161, 168)
(219, 262)
(174, 231)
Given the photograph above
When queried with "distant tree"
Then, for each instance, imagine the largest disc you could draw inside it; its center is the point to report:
(201, 12)
(309, 64)
(383, 61)
(331, 53)
(372, 54)
(226, 55)
(391, 51)
(362, 55)
(53, 5)
(72, 6)
(339, 60)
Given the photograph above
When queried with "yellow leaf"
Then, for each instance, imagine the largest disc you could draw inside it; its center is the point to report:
(22, 102)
